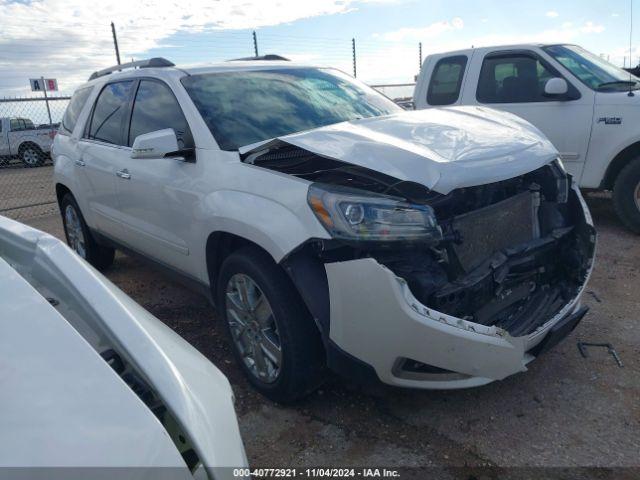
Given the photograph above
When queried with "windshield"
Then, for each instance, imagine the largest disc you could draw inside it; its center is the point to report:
(592, 70)
(245, 107)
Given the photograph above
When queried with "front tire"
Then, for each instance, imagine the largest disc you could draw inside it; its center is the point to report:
(273, 336)
(79, 236)
(626, 195)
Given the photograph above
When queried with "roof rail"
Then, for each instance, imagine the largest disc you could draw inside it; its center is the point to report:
(269, 56)
(149, 63)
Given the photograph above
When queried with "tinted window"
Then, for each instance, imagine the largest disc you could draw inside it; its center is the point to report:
(74, 108)
(17, 124)
(249, 106)
(513, 78)
(444, 88)
(109, 113)
(156, 108)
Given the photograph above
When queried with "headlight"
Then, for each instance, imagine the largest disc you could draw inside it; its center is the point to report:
(350, 214)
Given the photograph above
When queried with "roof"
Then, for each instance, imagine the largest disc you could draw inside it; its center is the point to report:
(515, 46)
(161, 67)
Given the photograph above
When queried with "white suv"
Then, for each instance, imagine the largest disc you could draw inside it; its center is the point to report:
(443, 248)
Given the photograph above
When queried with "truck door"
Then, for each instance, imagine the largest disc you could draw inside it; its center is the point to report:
(514, 81)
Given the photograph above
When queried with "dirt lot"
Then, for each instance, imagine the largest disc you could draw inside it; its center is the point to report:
(566, 411)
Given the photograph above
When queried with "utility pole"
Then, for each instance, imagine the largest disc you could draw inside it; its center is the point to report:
(46, 99)
(353, 49)
(255, 43)
(115, 42)
(420, 56)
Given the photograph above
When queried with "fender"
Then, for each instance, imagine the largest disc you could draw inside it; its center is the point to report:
(602, 174)
(273, 226)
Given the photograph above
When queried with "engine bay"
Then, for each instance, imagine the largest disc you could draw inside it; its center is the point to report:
(513, 253)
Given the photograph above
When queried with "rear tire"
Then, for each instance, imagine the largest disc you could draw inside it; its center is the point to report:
(626, 195)
(31, 155)
(79, 236)
(301, 356)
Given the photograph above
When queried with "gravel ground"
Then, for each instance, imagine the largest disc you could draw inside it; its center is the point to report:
(21, 187)
(566, 411)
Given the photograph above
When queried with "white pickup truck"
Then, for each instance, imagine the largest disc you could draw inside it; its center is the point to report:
(20, 138)
(588, 108)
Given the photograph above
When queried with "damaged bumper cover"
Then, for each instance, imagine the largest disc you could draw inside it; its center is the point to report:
(376, 318)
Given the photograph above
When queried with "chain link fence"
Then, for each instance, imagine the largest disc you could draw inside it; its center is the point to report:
(28, 127)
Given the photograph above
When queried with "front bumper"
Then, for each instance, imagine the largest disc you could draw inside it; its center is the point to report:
(375, 318)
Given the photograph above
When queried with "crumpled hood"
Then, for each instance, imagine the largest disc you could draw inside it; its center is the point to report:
(441, 148)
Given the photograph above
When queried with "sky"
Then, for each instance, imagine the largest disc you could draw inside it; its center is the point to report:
(69, 39)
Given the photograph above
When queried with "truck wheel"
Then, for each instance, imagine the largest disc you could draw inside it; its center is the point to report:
(273, 336)
(79, 236)
(626, 195)
(31, 155)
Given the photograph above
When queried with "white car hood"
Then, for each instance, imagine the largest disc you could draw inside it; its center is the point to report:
(441, 148)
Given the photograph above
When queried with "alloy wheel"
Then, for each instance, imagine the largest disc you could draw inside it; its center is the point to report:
(253, 328)
(75, 234)
(30, 157)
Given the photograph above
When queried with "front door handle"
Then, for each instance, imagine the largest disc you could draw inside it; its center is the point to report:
(124, 173)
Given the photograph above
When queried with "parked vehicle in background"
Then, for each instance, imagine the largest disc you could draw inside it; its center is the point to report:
(91, 379)
(435, 249)
(20, 138)
(587, 107)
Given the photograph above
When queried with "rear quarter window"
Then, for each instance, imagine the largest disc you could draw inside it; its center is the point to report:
(446, 80)
(76, 104)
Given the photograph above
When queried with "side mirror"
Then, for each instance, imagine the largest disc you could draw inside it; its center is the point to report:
(160, 144)
(556, 86)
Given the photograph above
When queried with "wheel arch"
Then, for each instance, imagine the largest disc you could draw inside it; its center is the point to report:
(28, 143)
(61, 191)
(306, 272)
(618, 163)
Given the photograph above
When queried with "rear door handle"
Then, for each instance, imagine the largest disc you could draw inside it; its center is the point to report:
(124, 173)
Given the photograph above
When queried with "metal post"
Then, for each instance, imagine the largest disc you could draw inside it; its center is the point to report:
(255, 43)
(115, 42)
(353, 48)
(46, 99)
(420, 56)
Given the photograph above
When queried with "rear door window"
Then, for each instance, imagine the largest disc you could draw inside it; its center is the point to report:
(74, 108)
(156, 108)
(446, 80)
(110, 113)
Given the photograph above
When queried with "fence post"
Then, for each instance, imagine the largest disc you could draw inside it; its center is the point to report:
(353, 49)
(115, 42)
(255, 43)
(46, 99)
(420, 56)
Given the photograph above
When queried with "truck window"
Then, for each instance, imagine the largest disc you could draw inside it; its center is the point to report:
(74, 108)
(513, 78)
(16, 124)
(446, 80)
(109, 113)
(156, 108)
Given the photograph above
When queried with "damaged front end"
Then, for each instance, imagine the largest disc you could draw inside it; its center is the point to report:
(509, 254)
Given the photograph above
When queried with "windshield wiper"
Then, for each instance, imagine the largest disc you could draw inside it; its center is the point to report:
(618, 82)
